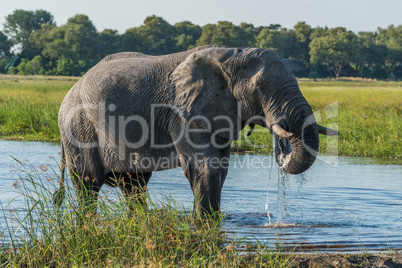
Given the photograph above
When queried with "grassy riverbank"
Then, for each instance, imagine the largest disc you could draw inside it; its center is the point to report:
(163, 235)
(29, 106)
(368, 114)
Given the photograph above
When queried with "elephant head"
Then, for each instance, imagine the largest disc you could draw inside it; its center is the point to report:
(249, 86)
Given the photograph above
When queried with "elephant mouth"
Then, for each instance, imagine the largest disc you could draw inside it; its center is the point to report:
(282, 150)
(295, 153)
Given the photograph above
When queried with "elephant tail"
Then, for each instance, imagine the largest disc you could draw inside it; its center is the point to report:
(58, 196)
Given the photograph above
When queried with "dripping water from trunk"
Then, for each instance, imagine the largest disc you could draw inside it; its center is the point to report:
(283, 183)
(269, 183)
(301, 180)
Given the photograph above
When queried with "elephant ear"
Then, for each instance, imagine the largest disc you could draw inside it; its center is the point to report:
(203, 94)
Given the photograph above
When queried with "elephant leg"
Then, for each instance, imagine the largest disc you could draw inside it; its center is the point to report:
(87, 175)
(206, 184)
(206, 172)
(87, 191)
(225, 160)
(204, 159)
(133, 186)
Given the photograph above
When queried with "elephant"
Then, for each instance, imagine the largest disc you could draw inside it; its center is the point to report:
(133, 114)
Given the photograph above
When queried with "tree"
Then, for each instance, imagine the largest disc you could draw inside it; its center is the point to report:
(69, 49)
(249, 34)
(82, 37)
(283, 42)
(391, 40)
(131, 40)
(5, 51)
(334, 47)
(224, 33)
(187, 35)
(371, 53)
(111, 42)
(303, 36)
(208, 31)
(22, 23)
(158, 36)
(5, 46)
(274, 26)
(39, 40)
(76, 40)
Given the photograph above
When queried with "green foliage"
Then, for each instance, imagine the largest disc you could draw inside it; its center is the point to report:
(187, 35)
(303, 33)
(22, 23)
(70, 67)
(391, 39)
(284, 42)
(25, 67)
(158, 36)
(3, 64)
(111, 42)
(293, 44)
(335, 47)
(5, 47)
(225, 33)
(320, 70)
(76, 40)
(73, 48)
(67, 50)
(132, 40)
(40, 66)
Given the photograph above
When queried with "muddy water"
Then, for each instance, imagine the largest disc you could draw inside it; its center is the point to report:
(340, 204)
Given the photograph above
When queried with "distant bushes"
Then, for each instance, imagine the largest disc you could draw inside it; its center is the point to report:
(39, 65)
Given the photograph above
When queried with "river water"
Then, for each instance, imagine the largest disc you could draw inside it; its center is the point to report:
(346, 204)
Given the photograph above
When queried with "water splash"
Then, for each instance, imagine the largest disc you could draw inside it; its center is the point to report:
(269, 182)
(283, 181)
(301, 180)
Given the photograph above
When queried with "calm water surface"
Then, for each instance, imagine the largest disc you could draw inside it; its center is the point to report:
(340, 204)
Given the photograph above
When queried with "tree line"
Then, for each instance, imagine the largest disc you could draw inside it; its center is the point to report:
(45, 48)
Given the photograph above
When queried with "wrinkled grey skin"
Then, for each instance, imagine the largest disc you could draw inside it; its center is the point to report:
(249, 86)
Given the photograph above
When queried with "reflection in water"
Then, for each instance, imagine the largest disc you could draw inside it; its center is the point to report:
(353, 205)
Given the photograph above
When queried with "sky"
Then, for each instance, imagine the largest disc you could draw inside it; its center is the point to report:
(355, 15)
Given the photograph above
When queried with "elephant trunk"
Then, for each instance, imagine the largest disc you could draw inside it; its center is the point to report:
(303, 153)
(296, 140)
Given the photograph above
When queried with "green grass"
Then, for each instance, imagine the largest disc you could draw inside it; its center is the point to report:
(162, 235)
(29, 106)
(368, 114)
